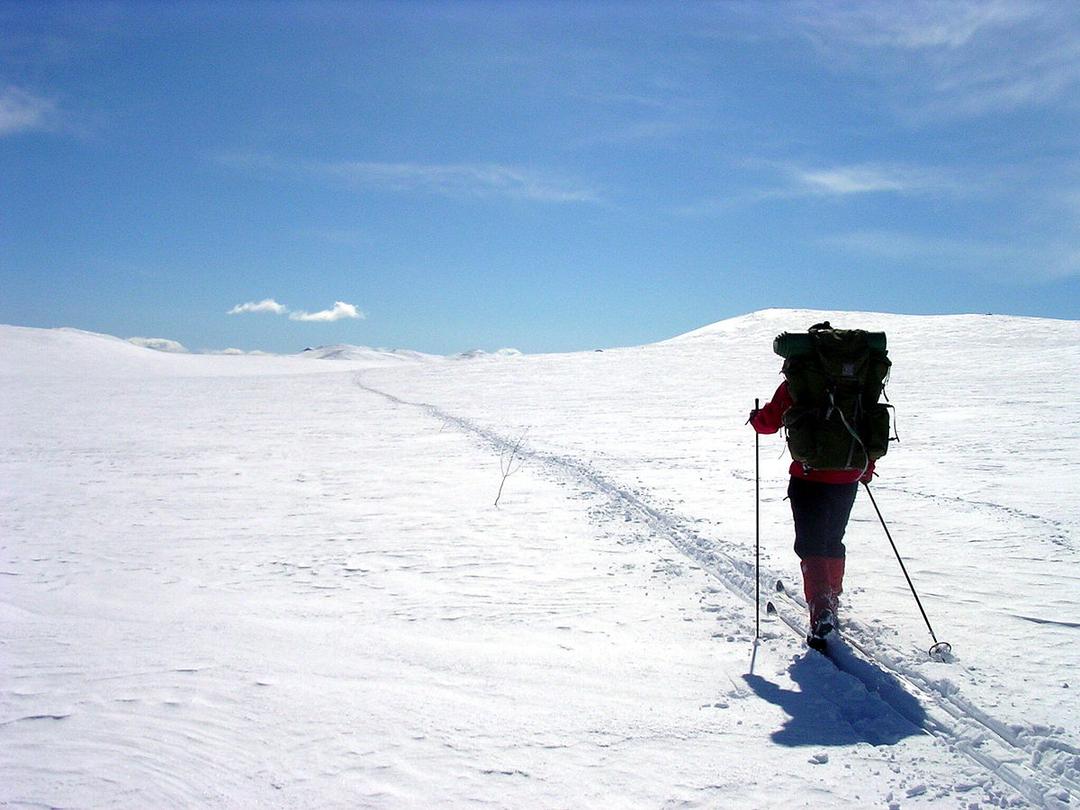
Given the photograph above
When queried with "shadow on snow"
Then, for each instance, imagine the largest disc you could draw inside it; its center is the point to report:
(845, 703)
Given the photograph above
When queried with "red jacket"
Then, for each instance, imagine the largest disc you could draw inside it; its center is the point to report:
(769, 420)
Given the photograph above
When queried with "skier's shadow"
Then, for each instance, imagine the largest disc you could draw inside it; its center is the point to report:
(841, 705)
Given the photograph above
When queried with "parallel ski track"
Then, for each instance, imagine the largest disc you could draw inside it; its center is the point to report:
(959, 723)
(1060, 533)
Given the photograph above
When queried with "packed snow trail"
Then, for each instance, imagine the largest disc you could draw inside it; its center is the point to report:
(1042, 768)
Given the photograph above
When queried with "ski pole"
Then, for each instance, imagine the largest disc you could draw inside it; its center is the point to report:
(940, 648)
(757, 528)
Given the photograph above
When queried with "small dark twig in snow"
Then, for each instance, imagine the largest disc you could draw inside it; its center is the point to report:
(510, 461)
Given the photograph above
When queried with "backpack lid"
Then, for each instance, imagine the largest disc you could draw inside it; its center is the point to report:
(794, 344)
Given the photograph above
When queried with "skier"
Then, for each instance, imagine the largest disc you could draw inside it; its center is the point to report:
(821, 500)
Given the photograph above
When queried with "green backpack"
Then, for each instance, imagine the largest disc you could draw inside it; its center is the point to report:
(835, 377)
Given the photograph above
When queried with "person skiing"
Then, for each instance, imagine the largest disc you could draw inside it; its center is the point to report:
(821, 501)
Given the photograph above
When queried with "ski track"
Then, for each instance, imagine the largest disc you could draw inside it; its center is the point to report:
(1060, 536)
(1037, 765)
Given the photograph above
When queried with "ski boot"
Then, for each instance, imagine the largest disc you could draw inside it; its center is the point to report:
(825, 626)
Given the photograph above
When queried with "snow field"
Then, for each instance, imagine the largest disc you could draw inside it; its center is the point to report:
(237, 601)
(986, 525)
(277, 588)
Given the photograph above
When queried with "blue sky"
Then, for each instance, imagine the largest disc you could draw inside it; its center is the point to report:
(546, 176)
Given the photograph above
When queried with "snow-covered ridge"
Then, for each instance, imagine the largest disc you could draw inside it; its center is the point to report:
(365, 354)
(767, 321)
(75, 352)
(480, 354)
(65, 352)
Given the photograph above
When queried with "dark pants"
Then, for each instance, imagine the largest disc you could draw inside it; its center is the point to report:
(821, 513)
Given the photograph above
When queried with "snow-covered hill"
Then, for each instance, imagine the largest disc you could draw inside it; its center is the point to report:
(281, 581)
(27, 352)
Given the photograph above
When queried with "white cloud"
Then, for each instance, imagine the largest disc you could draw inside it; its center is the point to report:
(266, 305)
(913, 25)
(159, 344)
(462, 180)
(478, 180)
(642, 130)
(869, 179)
(849, 180)
(835, 181)
(1006, 262)
(21, 111)
(963, 58)
(897, 245)
(340, 311)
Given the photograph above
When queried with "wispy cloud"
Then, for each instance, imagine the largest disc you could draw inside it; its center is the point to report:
(867, 179)
(21, 111)
(266, 305)
(791, 181)
(659, 112)
(352, 237)
(641, 130)
(997, 260)
(897, 245)
(915, 25)
(340, 311)
(463, 180)
(956, 59)
(458, 180)
(644, 100)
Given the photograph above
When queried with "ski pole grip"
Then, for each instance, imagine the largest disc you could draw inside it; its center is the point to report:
(757, 407)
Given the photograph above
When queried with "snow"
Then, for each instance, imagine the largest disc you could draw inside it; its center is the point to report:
(160, 344)
(281, 581)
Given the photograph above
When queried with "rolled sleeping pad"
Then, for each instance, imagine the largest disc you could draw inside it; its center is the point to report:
(792, 344)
